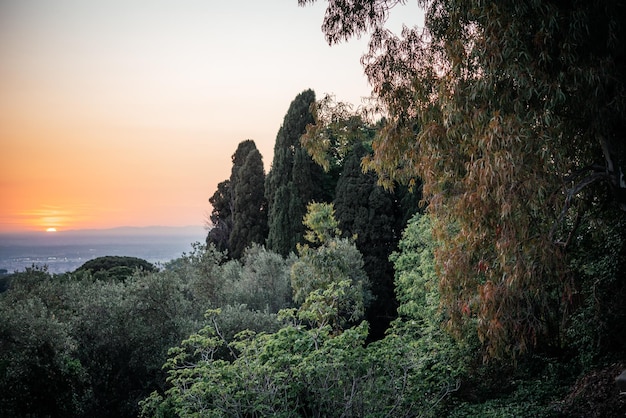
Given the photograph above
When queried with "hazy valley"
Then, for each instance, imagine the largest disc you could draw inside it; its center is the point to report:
(65, 251)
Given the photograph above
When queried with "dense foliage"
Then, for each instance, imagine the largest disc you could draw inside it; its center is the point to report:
(338, 140)
(294, 179)
(82, 345)
(239, 215)
(503, 297)
(313, 365)
(507, 112)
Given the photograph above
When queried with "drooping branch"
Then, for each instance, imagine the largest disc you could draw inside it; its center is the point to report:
(571, 193)
(611, 173)
(346, 19)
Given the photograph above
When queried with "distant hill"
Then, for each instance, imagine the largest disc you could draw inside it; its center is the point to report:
(90, 237)
(66, 250)
(136, 231)
(190, 230)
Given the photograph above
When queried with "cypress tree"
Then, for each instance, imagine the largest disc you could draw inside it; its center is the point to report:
(221, 217)
(365, 210)
(294, 179)
(250, 208)
(239, 215)
(239, 159)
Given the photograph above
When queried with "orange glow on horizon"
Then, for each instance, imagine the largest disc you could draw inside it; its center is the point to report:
(47, 217)
(109, 118)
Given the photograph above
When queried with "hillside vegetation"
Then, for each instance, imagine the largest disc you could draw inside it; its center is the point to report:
(462, 255)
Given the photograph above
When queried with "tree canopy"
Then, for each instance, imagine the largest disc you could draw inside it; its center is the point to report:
(294, 179)
(507, 112)
(249, 204)
(239, 216)
(116, 267)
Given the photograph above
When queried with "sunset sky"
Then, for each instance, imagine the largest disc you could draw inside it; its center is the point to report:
(125, 113)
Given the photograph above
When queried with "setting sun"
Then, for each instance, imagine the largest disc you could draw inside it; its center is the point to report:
(116, 113)
(51, 230)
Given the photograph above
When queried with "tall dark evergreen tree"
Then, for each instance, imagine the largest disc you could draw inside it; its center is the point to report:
(294, 180)
(250, 208)
(372, 214)
(239, 160)
(239, 216)
(339, 141)
(221, 216)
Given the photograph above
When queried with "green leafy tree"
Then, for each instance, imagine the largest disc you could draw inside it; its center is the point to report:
(507, 112)
(203, 276)
(260, 281)
(294, 179)
(40, 374)
(416, 278)
(115, 267)
(330, 267)
(299, 372)
(85, 347)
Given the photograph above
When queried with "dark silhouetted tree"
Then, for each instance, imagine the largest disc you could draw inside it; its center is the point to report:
(221, 216)
(116, 267)
(239, 216)
(294, 180)
(250, 208)
(375, 217)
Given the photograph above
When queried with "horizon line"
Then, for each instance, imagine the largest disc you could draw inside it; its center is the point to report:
(105, 229)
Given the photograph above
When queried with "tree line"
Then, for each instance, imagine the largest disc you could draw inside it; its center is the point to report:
(250, 207)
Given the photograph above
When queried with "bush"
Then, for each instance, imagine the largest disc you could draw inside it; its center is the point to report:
(115, 267)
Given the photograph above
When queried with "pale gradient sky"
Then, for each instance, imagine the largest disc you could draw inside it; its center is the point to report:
(126, 112)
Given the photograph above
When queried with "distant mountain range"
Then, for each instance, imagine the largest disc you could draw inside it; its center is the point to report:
(64, 251)
(190, 230)
(135, 231)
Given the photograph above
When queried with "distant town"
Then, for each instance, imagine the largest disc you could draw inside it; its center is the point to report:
(65, 251)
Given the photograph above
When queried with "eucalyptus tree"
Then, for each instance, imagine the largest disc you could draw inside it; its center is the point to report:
(508, 112)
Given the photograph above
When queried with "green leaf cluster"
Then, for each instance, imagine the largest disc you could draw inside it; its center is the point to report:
(74, 345)
(313, 365)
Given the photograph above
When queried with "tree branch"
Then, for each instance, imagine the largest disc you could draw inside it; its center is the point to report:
(571, 193)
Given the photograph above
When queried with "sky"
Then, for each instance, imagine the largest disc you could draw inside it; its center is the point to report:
(126, 112)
